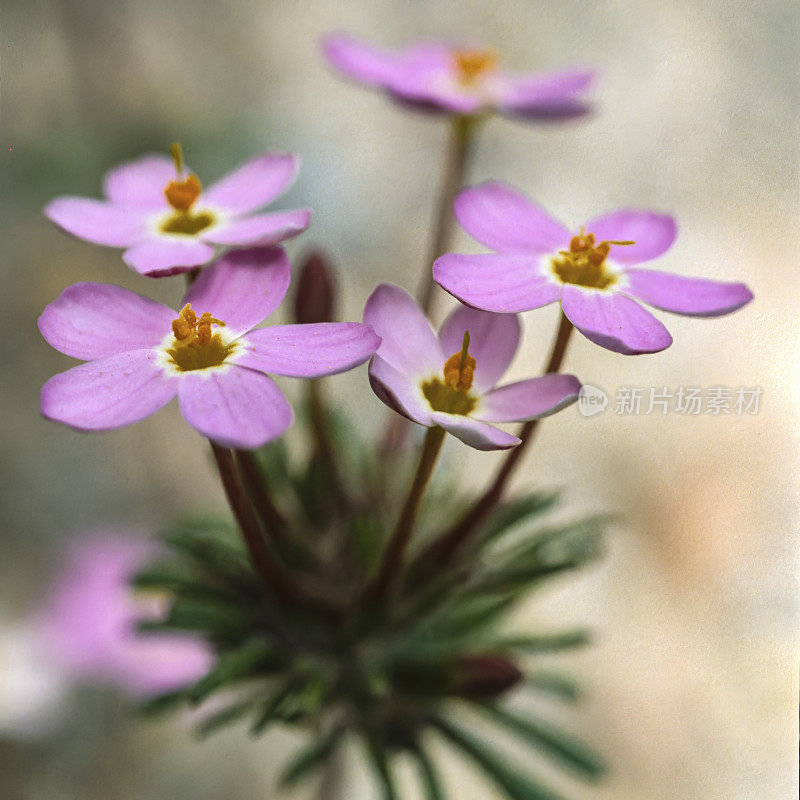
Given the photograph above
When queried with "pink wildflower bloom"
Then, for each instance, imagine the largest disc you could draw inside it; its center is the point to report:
(450, 380)
(88, 624)
(593, 272)
(460, 80)
(140, 354)
(167, 223)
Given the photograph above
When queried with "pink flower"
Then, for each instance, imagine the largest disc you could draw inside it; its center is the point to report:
(450, 380)
(89, 622)
(592, 272)
(141, 353)
(167, 223)
(460, 80)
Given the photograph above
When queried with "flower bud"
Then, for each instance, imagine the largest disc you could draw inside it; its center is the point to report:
(484, 677)
(316, 290)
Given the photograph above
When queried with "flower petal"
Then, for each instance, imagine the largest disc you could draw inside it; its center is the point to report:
(697, 297)
(407, 341)
(358, 60)
(243, 287)
(475, 433)
(614, 321)
(254, 184)
(140, 183)
(261, 229)
(653, 234)
(400, 392)
(549, 95)
(159, 256)
(92, 320)
(311, 350)
(97, 221)
(530, 399)
(501, 218)
(110, 392)
(236, 407)
(500, 282)
(493, 341)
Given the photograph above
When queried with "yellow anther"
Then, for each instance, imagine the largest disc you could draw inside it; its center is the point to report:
(182, 194)
(471, 65)
(584, 263)
(459, 369)
(197, 345)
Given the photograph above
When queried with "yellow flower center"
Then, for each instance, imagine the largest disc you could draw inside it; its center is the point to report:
(195, 345)
(472, 65)
(181, 195)
(584, 264)
(452, 395)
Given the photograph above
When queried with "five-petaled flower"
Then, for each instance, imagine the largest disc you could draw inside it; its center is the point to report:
(141, 353)
(591, 271)
(449, 380)
(460, 80)
(89, 620)
(167, 223)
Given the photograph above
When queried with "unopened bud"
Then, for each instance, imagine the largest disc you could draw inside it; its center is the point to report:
(483, 677)
(316, 290)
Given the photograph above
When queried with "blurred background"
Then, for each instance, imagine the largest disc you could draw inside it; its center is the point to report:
(691, 684)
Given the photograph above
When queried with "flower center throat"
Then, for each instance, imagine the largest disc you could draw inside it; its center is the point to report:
(472, 65)
(196, 345)
(584, 264)
(452, 394)
(181, 194)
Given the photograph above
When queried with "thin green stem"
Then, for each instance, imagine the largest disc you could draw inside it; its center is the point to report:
(322, 441)
(457, 160)
(394, 556)
(448, 546)
(260, 556)
(256, 486)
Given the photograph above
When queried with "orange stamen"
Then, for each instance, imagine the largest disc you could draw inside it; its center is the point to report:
(474, 64)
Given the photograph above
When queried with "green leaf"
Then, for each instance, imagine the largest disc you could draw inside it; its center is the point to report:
(272, 709)
(516, 785)
(226, 716)
(214, 619)
(554, 683)
(545, 643)
(572, 753)
(431, 785)
(380, 765)
(513, 512)
(163, 703)
(234, 665)
(311, 757)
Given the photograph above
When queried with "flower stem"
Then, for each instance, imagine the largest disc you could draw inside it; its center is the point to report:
(322, 441)
(458, 156)
(256, 487)
(448, 546)
(260, 556)
(393, 558)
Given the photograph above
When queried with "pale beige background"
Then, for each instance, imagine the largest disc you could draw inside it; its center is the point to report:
(691, 686)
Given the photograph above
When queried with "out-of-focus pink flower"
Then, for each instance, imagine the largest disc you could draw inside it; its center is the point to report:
(461, 80)
(88, 623)
(167, 223)
(450, 380)
(140, 354)
(593, 272)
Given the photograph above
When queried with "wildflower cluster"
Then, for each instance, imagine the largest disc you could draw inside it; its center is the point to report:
(352, 594)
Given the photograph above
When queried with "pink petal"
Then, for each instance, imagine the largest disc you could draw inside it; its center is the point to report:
(158, 257)
(110, 392)
(254, 184)
(358, 60)
(614, 321)
(242, 287)
(401, 393)
(653, 234)
(530, 399)
(697, 297)
(91, 320)
(309, 351)
(549, 95)
(505, 283)
(97, 221)
(505, 220)
(262, 229)
(140, 183)
(493, 342)
(475, 433)
(407, 340)
(235, 407)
